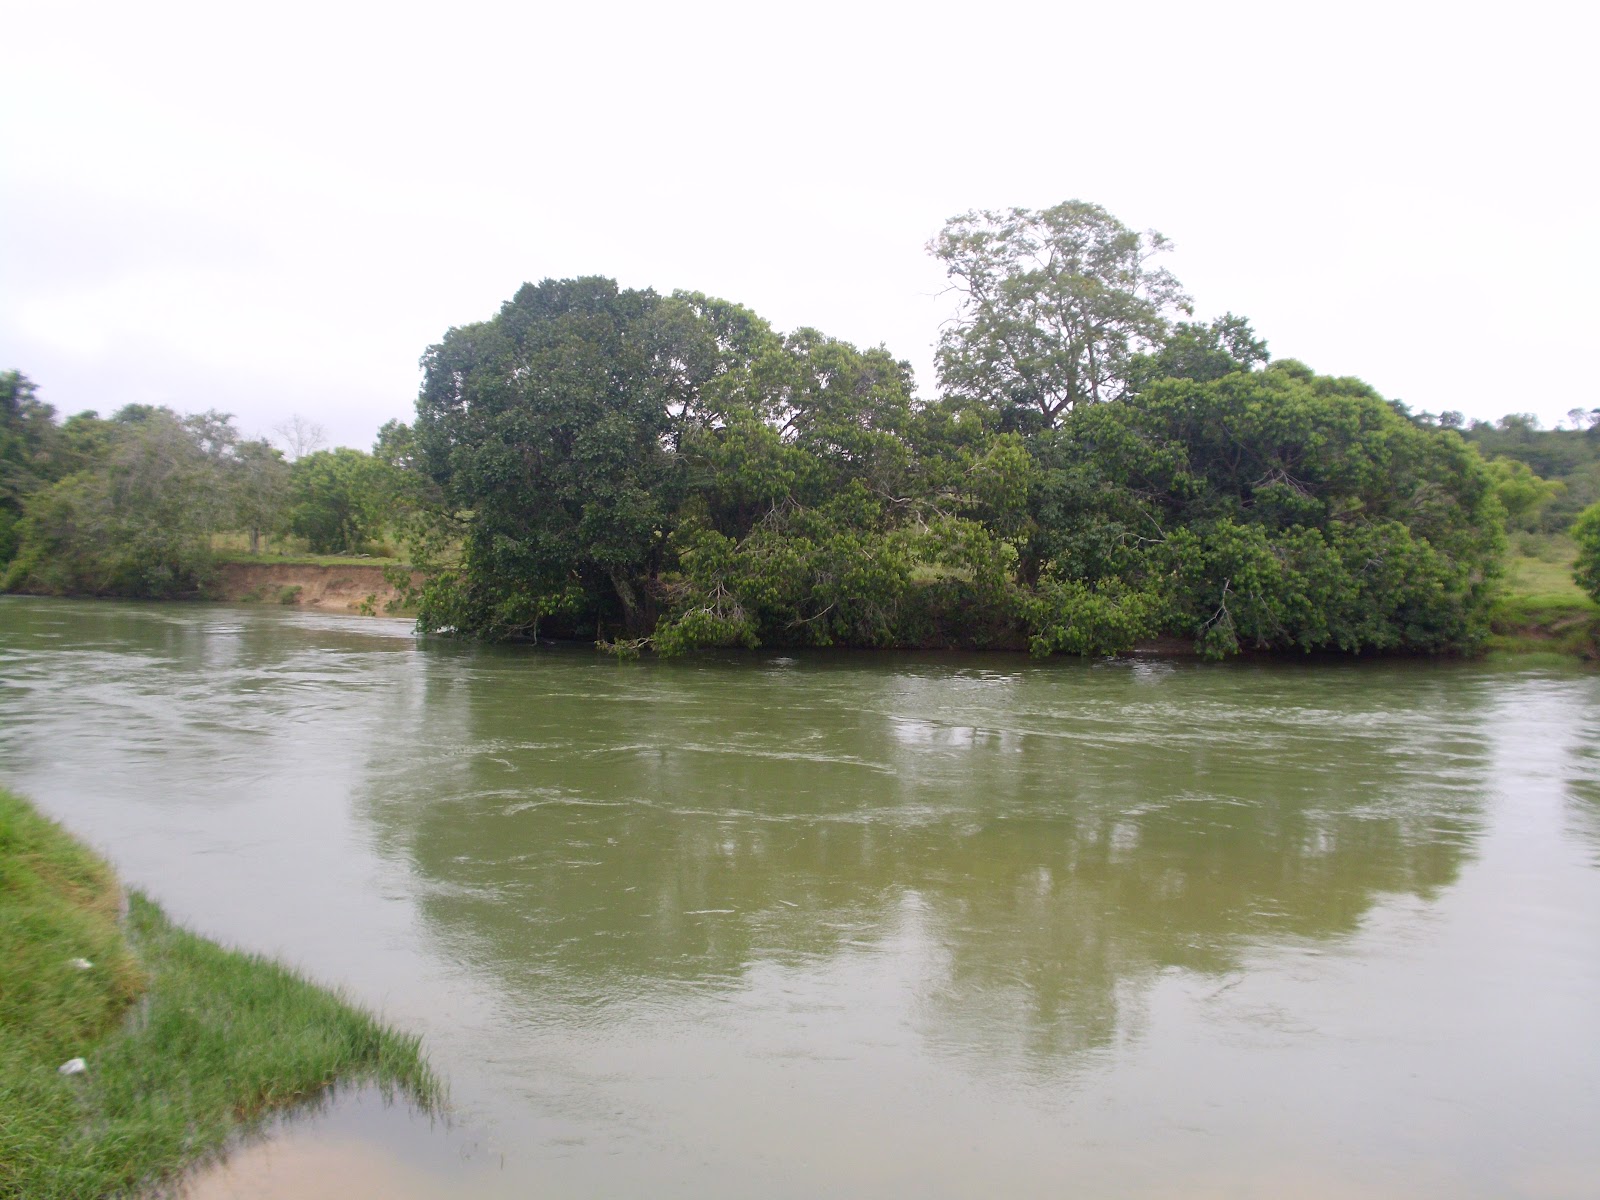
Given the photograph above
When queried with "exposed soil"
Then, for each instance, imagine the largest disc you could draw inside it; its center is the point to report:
(353, 587)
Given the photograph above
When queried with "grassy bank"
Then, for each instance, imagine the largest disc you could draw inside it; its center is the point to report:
(245, 558)
(185, 1043)
(1544, 609)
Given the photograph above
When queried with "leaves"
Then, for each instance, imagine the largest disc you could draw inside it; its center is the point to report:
(1055, 306)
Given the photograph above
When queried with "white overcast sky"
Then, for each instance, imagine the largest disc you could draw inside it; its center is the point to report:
(273, 209)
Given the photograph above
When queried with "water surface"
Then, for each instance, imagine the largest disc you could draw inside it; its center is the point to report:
(865, 925)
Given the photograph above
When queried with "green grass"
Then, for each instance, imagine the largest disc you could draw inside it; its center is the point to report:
(274, 558)
(234, 547)
(187, 1044)
(1543, 609)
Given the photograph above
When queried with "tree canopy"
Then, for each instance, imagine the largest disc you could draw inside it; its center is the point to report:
(136, 521)
(672, 471)
(1055, 307)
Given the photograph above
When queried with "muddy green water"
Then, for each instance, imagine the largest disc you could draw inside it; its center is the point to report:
(863, 926)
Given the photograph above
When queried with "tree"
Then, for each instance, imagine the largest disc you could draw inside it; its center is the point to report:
(137, 522)
(338, 499)
(300, 437)
(1055, 306)
(1522, 494)
(29, 452)
(260, 489)
(1586, 533)
(549, 430)
(1275, 509)
(1202, 352)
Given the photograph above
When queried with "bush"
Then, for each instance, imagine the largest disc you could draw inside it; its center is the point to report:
(1586, 533)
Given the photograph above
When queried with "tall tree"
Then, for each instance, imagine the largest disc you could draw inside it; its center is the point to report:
(260, 489)
(1055, 305)
(548, 430)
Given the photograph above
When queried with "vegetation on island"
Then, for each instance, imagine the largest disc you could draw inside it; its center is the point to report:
(182, 1044)
(669, 471)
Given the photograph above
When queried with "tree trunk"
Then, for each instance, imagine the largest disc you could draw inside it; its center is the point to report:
(636, 617)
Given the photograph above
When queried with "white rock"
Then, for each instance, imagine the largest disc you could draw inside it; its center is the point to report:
(73, 1066)
(83, 964)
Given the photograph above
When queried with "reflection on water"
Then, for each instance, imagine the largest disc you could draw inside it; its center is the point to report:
(875, 924)
(1051, 839)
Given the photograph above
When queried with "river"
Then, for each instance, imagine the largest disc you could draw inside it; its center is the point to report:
(857, 925)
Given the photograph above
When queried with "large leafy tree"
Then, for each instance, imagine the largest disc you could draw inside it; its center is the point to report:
(797, 493)
(1055, 307)
(1275, 509)
(549, 431)
(338, 499)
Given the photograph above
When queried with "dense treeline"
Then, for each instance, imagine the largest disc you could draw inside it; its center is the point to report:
(130, 505)
(1097, 472)
(671, 471)
(1554, 473)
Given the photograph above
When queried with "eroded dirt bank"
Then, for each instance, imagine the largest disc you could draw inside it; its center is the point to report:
(347, 587)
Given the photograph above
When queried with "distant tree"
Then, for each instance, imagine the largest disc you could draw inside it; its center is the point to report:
(1056, 305)
(259, 485)
(300, 437)
(1569, 458)
(338, 499)
(396, 445)
(1273, 510)
(139, 521)
(30, 445)
(1522, 494)
(1586, 533)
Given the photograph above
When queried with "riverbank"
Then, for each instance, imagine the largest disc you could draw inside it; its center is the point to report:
(331, 584)
(1544, 611)
(133, 1049)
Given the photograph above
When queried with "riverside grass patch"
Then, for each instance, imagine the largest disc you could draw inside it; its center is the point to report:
(186, 1044)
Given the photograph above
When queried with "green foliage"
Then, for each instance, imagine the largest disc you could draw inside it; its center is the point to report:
(1202, 353)
(675, 471)
(1568, 457)
(1586, 534)
(30, 453)
(546, 430)
(221, 1039)
(1273, 509)
(1056, 305)
(137, 523)
(339, 499)
(1106, 617)
(259, 489)
(800, 577)
(1522, 494)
